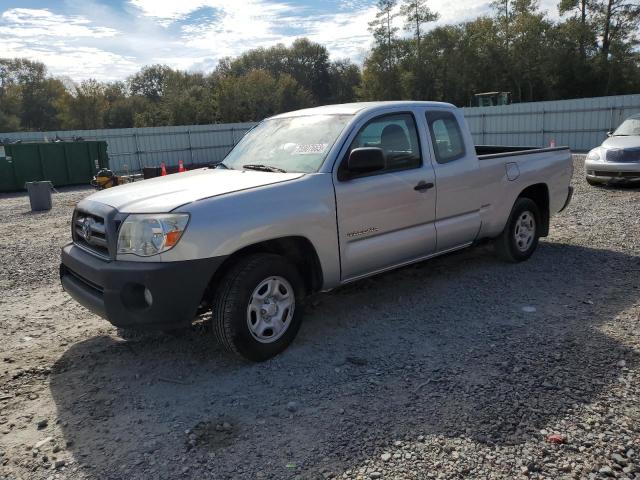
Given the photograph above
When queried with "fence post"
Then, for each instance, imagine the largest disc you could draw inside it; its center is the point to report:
(135, 138)
(611, 119)
(190, 147)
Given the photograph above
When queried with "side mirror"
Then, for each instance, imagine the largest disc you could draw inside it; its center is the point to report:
(366, 160)
(609, 133)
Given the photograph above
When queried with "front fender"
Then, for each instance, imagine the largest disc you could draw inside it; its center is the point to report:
(304, 207)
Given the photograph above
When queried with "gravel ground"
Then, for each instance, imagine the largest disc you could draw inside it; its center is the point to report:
(460, 367)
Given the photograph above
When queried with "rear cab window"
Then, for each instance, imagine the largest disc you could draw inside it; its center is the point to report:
(446, 136)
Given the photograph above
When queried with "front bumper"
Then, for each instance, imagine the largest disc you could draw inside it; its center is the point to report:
(115, 289)
(612, 171)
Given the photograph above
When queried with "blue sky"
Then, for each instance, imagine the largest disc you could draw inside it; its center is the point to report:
(111, 39)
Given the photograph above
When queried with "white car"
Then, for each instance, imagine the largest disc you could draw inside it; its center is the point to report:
(618, 158)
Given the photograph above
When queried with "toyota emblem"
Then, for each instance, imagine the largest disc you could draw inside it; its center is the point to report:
(86, 229)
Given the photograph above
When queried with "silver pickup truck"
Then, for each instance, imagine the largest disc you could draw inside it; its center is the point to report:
(307, 201)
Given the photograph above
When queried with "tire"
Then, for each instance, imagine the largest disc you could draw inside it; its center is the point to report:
(257, 307)
(135, 335)
(593, 183)
(520, 236)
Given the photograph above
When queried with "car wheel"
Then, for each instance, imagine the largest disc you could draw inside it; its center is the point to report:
(593, 183)
(520, 236)
(257, 307)
(136, 335)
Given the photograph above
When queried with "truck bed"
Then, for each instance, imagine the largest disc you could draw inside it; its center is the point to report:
(485, 152)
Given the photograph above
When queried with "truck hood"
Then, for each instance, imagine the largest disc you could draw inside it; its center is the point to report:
(163, 194)
(632, 141)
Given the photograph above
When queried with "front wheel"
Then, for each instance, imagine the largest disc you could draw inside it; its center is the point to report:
(257, 307)
(593, 183)
(520, 236)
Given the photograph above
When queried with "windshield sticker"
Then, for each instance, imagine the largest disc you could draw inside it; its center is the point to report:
(310, 148)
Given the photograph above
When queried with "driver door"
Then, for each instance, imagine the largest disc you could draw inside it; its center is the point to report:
(386, 218)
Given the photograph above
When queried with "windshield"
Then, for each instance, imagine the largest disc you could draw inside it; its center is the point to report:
(631, 126)
(292, 144)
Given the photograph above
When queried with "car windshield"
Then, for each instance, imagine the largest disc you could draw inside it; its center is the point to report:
(290, 144)
(631, 126)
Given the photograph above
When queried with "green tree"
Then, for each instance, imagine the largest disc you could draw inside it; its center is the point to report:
(581, 25)
(150, 82)
(123, 112)
(383, 30)
(381, 79)
(290, 95)
(523, 30)
(416, 14)
(618, 23)
(85, 108)
(307, 62)
(39, 95)
(258, 95)
(344, 80)
(189, 98)
(10, 100)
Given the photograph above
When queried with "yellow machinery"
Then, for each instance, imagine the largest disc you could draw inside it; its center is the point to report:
(105, 178)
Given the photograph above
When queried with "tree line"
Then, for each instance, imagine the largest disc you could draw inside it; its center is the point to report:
(593, 50)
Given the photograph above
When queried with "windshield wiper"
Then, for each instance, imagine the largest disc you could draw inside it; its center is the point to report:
(263, 168)
(221, 165)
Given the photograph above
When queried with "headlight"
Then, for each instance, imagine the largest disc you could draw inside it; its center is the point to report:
(149, 234)
(594, 154)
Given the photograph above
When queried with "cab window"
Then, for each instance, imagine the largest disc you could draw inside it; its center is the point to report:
(446, 136)
(396, 134)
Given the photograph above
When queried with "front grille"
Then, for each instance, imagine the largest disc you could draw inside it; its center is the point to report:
(624, 156)
(90, 233)
(631, 155)
(614, 174)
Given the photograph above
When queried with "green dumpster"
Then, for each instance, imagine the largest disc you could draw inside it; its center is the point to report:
(62, 163)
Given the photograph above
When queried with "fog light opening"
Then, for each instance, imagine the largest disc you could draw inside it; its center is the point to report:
(148, 298)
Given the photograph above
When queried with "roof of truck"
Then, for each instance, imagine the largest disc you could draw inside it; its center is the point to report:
(357, 107)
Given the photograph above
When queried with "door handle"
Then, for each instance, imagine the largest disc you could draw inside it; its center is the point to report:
(423, 186)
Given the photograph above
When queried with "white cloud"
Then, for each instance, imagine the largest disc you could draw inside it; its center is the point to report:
(74, 61)
(346, 35)
(30, 23)
(169, 10)
(230, 28)
(249, 11)
(464, 10)
(66, 44)
(238, 27)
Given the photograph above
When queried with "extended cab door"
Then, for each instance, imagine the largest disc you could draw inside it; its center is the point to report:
(386, 218)
(458, 218)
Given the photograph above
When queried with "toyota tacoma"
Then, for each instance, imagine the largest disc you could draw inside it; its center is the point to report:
(305, 202)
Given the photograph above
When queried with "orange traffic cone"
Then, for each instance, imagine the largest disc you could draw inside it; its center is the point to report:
(164, 170)
(181, 166)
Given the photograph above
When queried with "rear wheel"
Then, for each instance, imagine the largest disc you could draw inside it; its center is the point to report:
(520, 236)
(257, 307)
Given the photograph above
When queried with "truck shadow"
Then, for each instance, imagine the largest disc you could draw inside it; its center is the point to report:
(440, 348)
